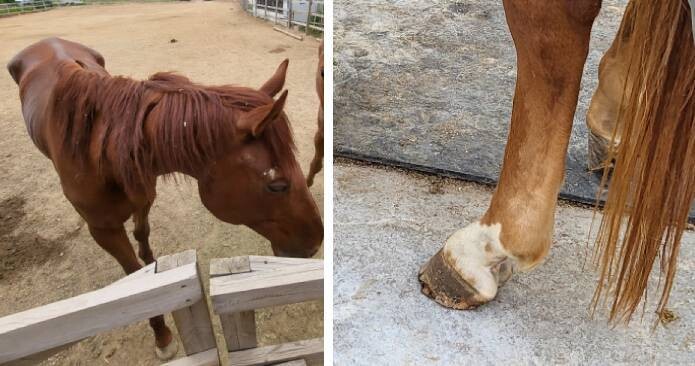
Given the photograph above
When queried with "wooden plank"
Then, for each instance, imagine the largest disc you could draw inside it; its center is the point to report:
(193, 322)
(308, 17)
(73, 319)
(167, 262)
(143, 272)
(205, 358)
(226, 266)
(288, 33)
(239, 328)
(265, 263)
(253, 290)
(268, 355)
(299, 362)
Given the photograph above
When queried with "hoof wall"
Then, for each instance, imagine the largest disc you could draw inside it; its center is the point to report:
(599, 148)
(168, 352)
(440, 282)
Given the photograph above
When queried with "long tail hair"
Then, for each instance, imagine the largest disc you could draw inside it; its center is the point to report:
(653, 183)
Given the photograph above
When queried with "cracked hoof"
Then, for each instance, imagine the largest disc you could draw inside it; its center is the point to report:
(168, 352)
(444, 285)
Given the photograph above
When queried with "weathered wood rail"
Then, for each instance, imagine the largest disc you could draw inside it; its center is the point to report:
(238, 286)
(172, 284)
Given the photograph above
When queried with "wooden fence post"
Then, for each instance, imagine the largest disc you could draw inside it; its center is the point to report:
(193, 323)
(276, 11)
(239, 328)
(289, 14)
(308, 17)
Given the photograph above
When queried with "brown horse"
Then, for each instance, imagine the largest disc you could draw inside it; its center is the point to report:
(317, 162)
(109, 138)
(641, 120)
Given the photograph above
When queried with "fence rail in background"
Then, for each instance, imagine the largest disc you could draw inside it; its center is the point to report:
(24, 7)
(171, 284)
(32, 6)
(307, 14)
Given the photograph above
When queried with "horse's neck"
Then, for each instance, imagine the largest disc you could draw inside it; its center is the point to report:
(164, 162)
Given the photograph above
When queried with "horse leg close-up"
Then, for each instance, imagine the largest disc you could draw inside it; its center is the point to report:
(317, 161)
(610, 94)
(141, 232)
(115, 241)
(108, 231)
(552, 42)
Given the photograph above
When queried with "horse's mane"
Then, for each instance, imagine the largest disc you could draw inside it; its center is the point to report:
(193, 124)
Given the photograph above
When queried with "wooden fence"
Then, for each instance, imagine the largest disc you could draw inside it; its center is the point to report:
(24, 7)
(15, 8)
(307, 14)
(240, 285)
(173, 284)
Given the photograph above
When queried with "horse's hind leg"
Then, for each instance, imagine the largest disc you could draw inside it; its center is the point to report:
(141, 232)
(317, 162)
(114, 240)
(605, 107)
(552, 42)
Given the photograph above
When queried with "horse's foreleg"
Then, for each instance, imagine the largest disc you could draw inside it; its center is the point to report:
(115, 241)
(141, 232)
(552, 41)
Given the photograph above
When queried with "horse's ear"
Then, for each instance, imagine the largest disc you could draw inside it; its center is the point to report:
(254, 121)
(277, 81)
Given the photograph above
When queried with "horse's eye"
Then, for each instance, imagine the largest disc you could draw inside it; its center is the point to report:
(278, 186)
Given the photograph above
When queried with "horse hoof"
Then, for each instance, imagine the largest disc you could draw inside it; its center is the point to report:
(599, 148)
(440, 282)
(168, 352)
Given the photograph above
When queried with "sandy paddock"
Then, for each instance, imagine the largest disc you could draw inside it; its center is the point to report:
(46, 253)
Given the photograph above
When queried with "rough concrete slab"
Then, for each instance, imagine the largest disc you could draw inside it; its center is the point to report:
(389, 222)
(428, 85)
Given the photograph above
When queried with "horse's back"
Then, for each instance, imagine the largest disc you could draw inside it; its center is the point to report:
(34, 69)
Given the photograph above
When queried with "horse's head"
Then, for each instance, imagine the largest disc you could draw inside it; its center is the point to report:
(259, 183)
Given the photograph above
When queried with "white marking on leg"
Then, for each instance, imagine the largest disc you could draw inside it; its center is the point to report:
(475, 249)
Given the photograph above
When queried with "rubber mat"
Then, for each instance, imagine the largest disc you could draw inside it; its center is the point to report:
(428, 86)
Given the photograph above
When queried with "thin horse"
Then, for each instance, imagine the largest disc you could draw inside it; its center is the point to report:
(642, 122)
(109, 138)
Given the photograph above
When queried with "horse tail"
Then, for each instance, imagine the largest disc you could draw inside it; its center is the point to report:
(653, 182)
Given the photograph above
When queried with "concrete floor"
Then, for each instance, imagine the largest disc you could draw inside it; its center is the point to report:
(389, 222)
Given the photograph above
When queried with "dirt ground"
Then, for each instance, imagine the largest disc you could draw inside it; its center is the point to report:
(46, 252)
(539, 317)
